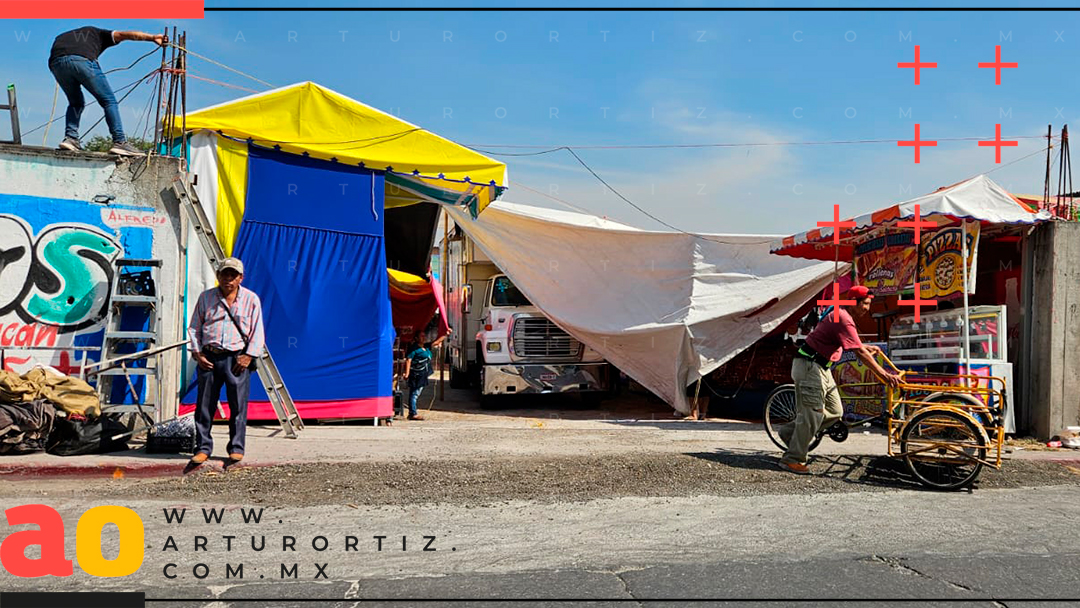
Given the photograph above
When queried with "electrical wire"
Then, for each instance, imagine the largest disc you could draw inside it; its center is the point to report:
(631, 203)
(219, 64)
(52, 113)
(121, 100)
(144, 120)
(568, 205)
(92, 103)
(337, 143)
(550, 149)
(134, 62)
(224, 84)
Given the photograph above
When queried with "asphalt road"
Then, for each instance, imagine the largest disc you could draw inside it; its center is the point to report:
(990, 547)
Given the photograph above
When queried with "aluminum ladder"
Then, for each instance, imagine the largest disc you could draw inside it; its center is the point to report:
(268, 372)
(13, 107)
(134, 287)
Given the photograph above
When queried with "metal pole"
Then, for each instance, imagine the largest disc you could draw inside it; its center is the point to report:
(160, 87)
(1046, 185)
(443, 260)
(967, 315)
(13, 106)
(183, 101)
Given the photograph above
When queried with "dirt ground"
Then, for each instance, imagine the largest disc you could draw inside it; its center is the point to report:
(543, 479)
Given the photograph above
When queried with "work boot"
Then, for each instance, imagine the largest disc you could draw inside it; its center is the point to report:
(125, 149)
(71, 143)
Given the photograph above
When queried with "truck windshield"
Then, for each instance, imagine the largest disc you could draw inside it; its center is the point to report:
(504, 293)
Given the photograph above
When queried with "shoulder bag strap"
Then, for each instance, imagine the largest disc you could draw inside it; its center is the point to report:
(240, 330)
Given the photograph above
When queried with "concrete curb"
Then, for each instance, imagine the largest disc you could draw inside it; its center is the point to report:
(113, 471)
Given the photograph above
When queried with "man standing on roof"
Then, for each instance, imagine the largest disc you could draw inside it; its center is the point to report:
(817, 399)
(73, 62)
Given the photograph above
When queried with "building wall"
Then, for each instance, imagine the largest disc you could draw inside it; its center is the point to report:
(58, 249)
(1052, 357)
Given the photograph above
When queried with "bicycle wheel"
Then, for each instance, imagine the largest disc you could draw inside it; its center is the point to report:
(943, 449)
(780, 410)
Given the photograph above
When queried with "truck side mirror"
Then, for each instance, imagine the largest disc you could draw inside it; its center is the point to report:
(466, 299)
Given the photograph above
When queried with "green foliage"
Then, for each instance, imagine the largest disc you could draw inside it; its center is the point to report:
(100, 143)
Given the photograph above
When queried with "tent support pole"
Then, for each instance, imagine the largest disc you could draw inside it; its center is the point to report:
(444, 262)
(967, 314)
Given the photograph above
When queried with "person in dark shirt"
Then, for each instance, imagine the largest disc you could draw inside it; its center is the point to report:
(73, 62)
(418, 368)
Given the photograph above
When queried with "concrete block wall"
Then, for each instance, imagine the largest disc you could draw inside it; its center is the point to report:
(1051, 385)
(64, 218)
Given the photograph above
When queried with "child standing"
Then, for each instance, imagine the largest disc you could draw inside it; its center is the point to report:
(417, 370)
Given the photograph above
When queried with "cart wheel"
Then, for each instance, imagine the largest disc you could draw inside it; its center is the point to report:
(780, 410)
(930, 433)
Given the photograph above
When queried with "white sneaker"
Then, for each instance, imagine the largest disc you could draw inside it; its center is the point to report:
(70, 143)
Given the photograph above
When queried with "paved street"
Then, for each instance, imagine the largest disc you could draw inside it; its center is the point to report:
(626, 525)
(627, 506)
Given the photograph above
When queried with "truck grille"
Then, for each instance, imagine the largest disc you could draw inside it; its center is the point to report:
(539, 338)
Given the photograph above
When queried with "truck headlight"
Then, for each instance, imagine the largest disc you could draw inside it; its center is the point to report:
(494, 347)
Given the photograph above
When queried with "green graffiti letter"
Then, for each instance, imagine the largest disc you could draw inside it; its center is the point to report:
(75, 302)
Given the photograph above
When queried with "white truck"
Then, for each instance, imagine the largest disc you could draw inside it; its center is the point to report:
(505, 345)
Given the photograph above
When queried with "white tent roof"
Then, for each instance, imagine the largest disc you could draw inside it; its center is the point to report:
(665, 308)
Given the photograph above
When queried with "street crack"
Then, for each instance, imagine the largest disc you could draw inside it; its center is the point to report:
(899, 564)
(626, 588)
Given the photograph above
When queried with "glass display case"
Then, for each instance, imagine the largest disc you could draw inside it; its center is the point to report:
(938, 337)
(935, 345)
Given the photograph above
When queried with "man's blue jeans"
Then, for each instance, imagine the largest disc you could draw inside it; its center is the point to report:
(73, 72)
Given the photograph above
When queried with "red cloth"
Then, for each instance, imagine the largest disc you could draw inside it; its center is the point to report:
(830, 338)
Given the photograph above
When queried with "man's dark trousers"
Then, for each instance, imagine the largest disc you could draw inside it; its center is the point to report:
(237, 389)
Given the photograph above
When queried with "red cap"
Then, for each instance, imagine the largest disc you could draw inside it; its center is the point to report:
(859, 292)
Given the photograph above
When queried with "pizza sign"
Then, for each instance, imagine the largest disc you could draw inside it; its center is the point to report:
(940, 265)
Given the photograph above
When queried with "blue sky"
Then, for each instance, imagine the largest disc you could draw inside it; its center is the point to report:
(528, 78)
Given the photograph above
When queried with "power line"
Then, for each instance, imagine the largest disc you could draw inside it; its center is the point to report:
(550, 149)
(219, 64)
(92, 103)
(224, 84)
(675, 228)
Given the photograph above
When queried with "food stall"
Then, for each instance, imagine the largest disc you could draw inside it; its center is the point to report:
(960, 326)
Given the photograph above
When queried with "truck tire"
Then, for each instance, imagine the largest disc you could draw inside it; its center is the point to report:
(458, 379)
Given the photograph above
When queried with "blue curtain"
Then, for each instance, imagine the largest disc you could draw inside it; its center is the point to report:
(312, 245)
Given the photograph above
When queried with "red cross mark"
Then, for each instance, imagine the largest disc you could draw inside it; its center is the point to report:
(917, 143)
(997, 65)
(917, 301)
(836, 224)
(918, 223)
(918, 66)
(835, 302)
(997, 142)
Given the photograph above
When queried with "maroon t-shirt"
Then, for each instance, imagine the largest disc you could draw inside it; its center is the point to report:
(830, 337)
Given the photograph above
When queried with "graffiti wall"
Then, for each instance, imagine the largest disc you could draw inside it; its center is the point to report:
(57, 268)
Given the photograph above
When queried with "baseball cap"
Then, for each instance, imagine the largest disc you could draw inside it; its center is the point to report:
(231, 263)
(859, 292)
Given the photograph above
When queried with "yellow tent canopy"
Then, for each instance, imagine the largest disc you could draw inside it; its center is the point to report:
(306, 118)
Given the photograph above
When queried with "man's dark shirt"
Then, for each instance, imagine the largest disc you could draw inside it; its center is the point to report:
(88, 41)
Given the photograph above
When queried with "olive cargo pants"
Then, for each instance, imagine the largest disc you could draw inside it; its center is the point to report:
(817, 406)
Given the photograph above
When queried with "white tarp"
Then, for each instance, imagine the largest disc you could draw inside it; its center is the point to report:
(666, 308)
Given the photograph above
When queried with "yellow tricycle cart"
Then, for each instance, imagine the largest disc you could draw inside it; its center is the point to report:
(945, 427)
